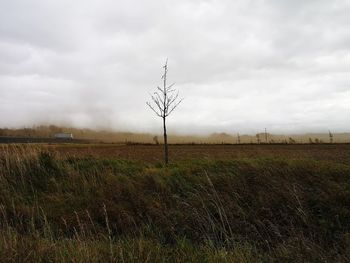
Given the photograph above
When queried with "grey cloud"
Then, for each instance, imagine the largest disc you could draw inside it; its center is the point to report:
(241, 65)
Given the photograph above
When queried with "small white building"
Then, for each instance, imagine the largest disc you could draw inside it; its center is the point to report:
(63, 135)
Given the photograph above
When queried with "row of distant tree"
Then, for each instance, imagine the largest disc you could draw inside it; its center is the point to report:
(110, 136)
(290, 140)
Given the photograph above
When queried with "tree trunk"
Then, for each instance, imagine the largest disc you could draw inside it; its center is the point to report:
(166, 154)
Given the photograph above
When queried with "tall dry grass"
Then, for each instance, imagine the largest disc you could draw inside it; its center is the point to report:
(57, 208)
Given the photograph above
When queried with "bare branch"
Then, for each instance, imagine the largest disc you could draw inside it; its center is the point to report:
(174, 107)
(159, 97)
(151, 107)
(169, 87)
(171, 91)
(165, 69)
(158, 104)
(173, 98)
(162, 91)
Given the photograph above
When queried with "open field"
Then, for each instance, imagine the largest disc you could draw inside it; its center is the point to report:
(213, 203)
(154, 153)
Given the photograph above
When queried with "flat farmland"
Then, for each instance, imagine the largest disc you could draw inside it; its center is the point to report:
(214, 203)
(154, 153)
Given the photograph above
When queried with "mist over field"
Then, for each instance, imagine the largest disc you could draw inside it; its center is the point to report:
(175, 131)
(241, 66)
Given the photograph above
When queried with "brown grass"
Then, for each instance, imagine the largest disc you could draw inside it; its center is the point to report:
(262, 203)
(154, 153)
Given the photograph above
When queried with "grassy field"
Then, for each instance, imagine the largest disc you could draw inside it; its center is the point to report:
(213, 203)
(154, 153)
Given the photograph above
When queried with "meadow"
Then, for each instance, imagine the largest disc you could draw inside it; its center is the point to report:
(213, 203)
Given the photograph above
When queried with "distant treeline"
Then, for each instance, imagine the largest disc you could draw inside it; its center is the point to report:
(31, 139)
(48, 131)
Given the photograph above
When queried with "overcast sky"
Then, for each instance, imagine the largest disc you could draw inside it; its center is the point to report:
(241, 65)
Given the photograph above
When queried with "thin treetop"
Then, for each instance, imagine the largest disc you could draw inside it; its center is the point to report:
(163, 102)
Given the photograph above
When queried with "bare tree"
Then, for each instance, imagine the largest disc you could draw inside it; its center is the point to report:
(330, 137)
(163, 102)
(291, 140)
(258, 138)
(155, 139)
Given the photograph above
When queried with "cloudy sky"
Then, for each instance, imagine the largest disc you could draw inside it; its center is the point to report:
(241, 65)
